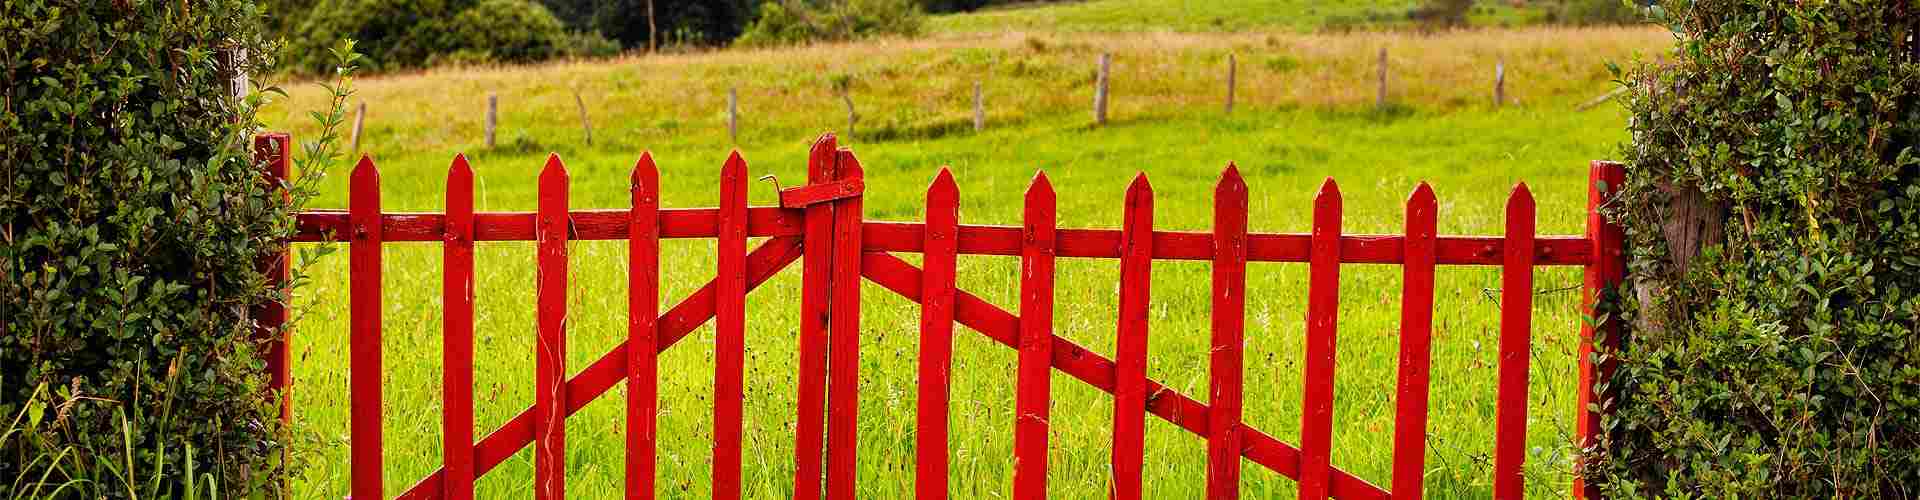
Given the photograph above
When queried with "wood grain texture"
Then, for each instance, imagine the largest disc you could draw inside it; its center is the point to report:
(1516, 344)
(1130, 350)
(1416, 347)
(1096, 370)
(816, 280)
(1227, 354)
(843, 353)
(643, 328)
(610, 369)
(1323, 320)
(1033, 391)
(936, 338)
(550, 351)
(364, 356)
(457, 347)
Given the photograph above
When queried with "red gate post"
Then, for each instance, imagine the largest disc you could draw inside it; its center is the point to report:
(1034, 392)
(1130, 349)
(643, 328)
(457, 292)
(1516, 347)
(272, 152)
(364, 363)
(843, 352)
(1323, 317)
(816, 280)
(1227, 358)
(1606, 271)
(729, 328)
(936, 336)
(1416, 346)
(550, 349)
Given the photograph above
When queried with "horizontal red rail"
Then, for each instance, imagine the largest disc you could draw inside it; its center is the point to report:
(973, 240)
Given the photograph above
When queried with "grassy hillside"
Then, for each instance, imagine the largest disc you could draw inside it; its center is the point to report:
(1209, 15)
(1305, 113)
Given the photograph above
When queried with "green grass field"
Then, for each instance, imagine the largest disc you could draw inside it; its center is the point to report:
(1304, 114)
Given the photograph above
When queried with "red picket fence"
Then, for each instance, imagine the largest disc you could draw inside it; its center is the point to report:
(821, 225)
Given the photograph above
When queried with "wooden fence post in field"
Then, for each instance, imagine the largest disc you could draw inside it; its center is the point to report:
(1499, 84)
(493, 116)
(851, 116)
(1100, 90)
(1231, 66)
(359, 121)
(586, 125)
(1380, 100)
(733, 114)
(979, 108)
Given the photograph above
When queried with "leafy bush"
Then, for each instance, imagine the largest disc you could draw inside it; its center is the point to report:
(1773, 208)
(798, 21)
(134, 223)
(1442, 13)
(401, 34)
(1597, 12)
(680, 22)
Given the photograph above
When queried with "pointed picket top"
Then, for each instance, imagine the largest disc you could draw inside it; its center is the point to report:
(943, 188)
(645, 180)
(1522, 198)
(365, 171)
(827, 142)
(1040, 190)
(1421, 195)
(1139, 190)
(820, 159)
(735, 167)
(1421, 207)
(555, 169)
(1230, 181)
(847, 166)
(460, 167)
(1329, 195)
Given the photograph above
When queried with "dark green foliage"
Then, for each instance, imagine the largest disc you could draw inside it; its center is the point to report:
(1442, 13)
(945, 6)
(402, 34)
(1597, 12)
(1783, 360)
(802, 21)
(132, 222)
(680, 22)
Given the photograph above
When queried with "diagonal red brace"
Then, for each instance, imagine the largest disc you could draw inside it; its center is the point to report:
(810, 194)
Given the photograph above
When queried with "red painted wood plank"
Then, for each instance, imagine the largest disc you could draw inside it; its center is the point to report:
(813, 193)
(588, 225)
(1608, 270)
(273, 152)
(1261, 247)
(1227, 356)
(815, 288)
(610, 369)
(936, 338)
(1516, 332)
(1130, 350)
(1323, 318)
(1416, 341)
(550, 352)
(730, 323)
(457, 294)
(843, 353)
(1097, 371)
(643, 310)
(364, 345)
(1033, 394)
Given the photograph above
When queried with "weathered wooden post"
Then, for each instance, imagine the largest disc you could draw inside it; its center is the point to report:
(1231, 67)
(979, 109)
(1380, 100)
(852, 117)
(1100, 90)
(585, 124)
(493, 116)
(1499, 84)
(359, 121)
(733, 114)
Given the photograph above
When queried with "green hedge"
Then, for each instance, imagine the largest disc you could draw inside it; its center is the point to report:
(406, 34)
(1778, 357)
(132, 220)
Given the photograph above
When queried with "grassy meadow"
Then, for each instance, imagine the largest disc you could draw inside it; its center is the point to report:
(1305, 112)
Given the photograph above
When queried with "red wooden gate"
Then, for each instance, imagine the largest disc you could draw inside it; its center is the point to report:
(821, 224)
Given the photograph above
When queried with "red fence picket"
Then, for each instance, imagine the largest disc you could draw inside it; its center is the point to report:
(824, 222)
